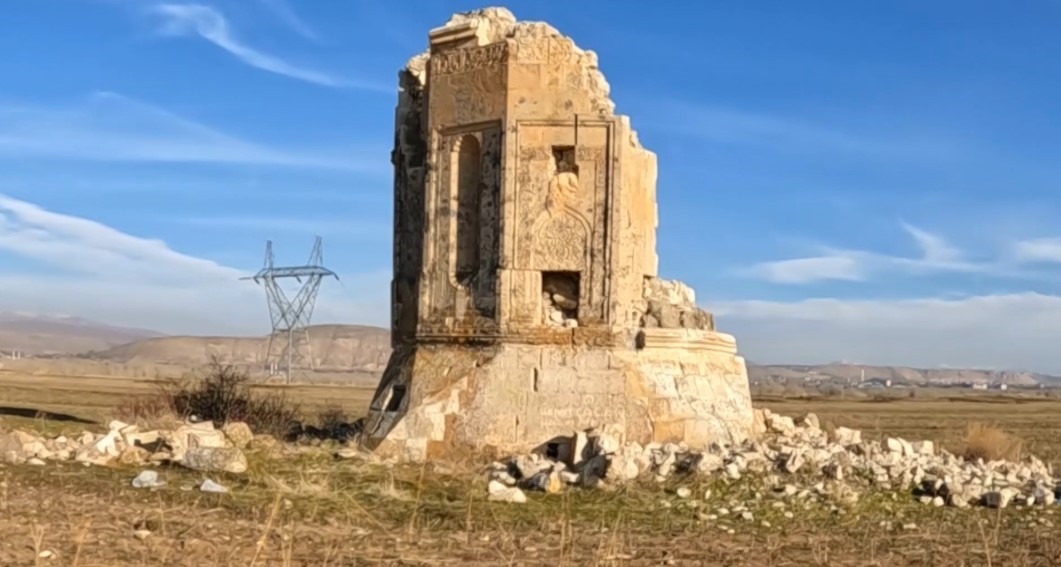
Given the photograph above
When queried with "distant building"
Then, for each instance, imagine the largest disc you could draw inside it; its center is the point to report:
(979, 386)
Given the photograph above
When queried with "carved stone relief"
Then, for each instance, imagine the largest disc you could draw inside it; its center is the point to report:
(467, 226)
(561, 206)
(560, 242)
(466, 60)
(553, 51)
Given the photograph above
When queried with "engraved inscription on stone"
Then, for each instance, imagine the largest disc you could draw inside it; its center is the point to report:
(464, 60)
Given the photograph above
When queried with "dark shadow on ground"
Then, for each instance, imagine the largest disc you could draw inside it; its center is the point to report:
(32, 413)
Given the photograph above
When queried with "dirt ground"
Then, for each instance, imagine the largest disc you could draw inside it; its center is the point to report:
(312, 509)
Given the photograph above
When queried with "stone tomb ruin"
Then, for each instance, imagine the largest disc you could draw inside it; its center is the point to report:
(526, 302)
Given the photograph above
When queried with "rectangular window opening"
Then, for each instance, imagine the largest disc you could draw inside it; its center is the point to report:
(560, 298)
(565, 160)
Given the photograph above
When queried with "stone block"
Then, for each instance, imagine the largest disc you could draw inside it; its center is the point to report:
(214, 459)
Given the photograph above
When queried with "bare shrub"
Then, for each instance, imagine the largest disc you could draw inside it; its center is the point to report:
(766, 390)
(990, 443)
(332, 423)
(831, 390)
(145, 409)
(224, 395)
(332, 417)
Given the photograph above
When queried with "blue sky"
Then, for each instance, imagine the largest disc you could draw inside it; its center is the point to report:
(873, 182)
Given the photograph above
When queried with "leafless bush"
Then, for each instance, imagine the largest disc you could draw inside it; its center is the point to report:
(831, 390)
(223, 395)
(145, 409)
(331, 418)
(989, 443)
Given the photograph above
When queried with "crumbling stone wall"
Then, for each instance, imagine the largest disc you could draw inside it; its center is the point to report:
(672, 305)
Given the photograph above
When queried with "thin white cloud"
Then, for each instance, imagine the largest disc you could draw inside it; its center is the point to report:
(367, 229)
(937, 255)
(1038, 250)
(1011, 331)
(97, 272)
(84, 246)
(934, 248)
(211, 25)
(108, 126)
(284, 11)
(731, 126)
(805, 270)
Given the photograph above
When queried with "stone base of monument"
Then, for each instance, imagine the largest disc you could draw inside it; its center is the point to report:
(678, 385)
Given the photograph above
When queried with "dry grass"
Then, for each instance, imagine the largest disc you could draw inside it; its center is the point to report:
(95, 397)
(990, 443)
(315, 510)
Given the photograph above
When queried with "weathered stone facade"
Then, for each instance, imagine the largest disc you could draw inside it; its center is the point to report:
(525, 298)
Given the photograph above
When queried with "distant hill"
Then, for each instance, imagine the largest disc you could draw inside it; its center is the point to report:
(897, 374)
(43, 335)
(333, 347)
(365, 349)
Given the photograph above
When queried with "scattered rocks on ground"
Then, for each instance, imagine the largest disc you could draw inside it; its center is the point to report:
(499, 492)
(238, 433)
(147, 479)
(196, 445)
(212, 459)
(794, 458)
(211, 486)
(836, 467)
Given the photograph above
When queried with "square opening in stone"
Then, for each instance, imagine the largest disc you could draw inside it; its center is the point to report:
(564, 159)
(560, 298)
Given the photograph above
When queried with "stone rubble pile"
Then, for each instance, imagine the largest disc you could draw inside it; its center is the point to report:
(560, 303)
(198, 446)
(671, 304)
(838, 466)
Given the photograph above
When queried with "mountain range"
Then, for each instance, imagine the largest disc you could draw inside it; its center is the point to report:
(52, 335)
(364, 349)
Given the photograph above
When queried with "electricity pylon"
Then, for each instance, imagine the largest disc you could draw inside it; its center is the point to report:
(291, 317)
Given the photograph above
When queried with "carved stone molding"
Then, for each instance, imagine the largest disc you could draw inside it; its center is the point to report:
(687, 339)
(471, 59)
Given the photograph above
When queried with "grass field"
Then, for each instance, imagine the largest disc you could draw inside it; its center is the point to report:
(942, 418)
(95, 397)
(315, 510)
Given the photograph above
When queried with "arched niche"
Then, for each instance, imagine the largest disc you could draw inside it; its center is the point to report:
(467, 159)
